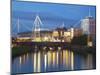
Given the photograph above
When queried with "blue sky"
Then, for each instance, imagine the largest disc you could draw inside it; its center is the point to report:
(52, 15)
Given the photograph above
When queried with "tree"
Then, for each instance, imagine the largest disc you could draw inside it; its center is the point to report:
(81, 40)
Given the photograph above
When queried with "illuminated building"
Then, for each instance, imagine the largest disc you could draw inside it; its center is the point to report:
(88, 26)
(55, 34)
(67, 35)
(72, 32)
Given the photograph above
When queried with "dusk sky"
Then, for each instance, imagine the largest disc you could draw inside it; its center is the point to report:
(52, 15)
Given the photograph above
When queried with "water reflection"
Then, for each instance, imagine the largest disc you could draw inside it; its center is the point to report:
(72, 61)
(36, 62)
(52, 61)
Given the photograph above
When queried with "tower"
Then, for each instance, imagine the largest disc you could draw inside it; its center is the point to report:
(88, 26)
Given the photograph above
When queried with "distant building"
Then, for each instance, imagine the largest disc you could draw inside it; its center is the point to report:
(88, 26)
(55, 34)
(43, 34)
(71, 30)
(67, 36)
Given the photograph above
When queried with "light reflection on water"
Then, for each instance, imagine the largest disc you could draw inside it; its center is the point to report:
(52, 61)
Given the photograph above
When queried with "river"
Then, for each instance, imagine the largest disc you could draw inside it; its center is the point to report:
(52, 61)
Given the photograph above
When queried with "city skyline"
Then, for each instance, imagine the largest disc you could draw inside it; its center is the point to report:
(26, 12)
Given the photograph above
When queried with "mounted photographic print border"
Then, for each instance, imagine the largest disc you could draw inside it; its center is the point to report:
(52, 37)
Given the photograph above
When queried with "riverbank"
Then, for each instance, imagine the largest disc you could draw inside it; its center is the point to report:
(20, 50)
(17, 51)
(83, 49)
